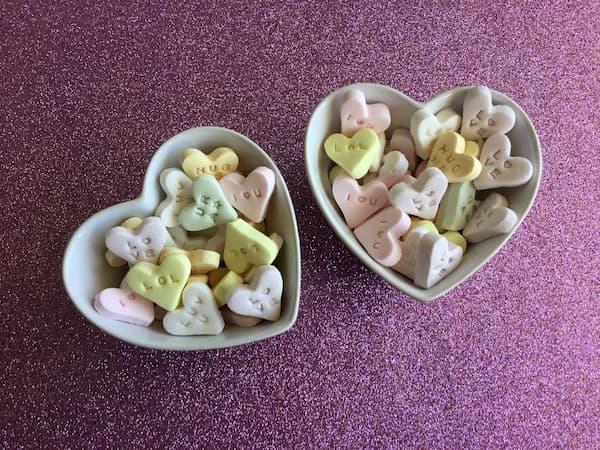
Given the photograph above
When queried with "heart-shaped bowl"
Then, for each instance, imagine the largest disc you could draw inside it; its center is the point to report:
(85, 271)
(325, 120)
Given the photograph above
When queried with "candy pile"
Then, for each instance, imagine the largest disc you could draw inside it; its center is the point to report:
(188, 264)
(412, 201)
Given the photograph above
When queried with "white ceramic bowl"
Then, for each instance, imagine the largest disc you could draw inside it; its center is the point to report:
(325, 120)
(85, 272)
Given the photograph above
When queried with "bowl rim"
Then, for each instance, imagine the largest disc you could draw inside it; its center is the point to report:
(394, 279)
(147, 186)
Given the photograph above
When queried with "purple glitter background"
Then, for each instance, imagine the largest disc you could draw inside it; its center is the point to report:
(509, 358)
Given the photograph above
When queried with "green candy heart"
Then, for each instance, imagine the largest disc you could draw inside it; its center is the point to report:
(457, 206)
(356, 154)
(211, 207)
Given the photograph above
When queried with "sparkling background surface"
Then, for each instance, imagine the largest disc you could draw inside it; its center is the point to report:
(89, 92)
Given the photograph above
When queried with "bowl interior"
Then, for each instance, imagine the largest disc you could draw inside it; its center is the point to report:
(86, 273)
(325, 120)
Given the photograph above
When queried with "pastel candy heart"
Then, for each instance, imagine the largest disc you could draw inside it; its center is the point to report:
(246, 246)
(394, 167)
(113, 260)
(422, 197)
(499, 168)
(436, 257)
(425, 127)
(124, 305)
(218, 163)
(143, 244)
(198, 316)
(261, 298)
(211, 207)
(201, 261)
(162, 283)
(356, 202)
(357, 114)
(415, 223)
(456, 238)
(334, 172)
(493, 217)
(178, 187)
(374, 167)
(457, 207)
(402, 141)
(356, 154)
(481, 119)
(408, 261)
(380, 235)
(250, 195)
(448, 155)
(229, 280)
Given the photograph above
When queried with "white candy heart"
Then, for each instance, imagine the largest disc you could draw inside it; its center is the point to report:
(178, 187)
(143, 244)
(406, 265)
(422, 197)
(436, 257)
(493, 217)
(425, 127)
(498, 168)
(199, 314)
(481, 119)
(394, 167)
(261, 298)
(403, 142)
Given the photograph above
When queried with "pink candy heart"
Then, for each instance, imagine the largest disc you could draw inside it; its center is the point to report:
(356, 114)
(358, 203)
(250, 195)
(124, 305)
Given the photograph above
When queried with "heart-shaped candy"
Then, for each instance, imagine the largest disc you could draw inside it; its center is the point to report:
(493, 217)
(499, 168)
(422, 197)
(394, 167)
(358, 202)
(219, 162)
(356, 154)
(160, 283)
(246, 246)
(199, 314)
(142, 244)
(425, 127)
(457, 207)
(211, 207)
(178, 187)
(481, 118)
(250, 195)
(124, 305)
(436, 257)
(357, 114)
(380, 235)
(448, 155)
(261, 298)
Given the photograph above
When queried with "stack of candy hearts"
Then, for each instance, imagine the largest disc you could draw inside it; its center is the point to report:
(196, 265)
(412, 202)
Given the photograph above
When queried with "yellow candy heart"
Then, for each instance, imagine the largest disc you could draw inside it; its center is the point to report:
(456, 238)
(473, 148)
(356, 154)
(219, 162)
(418, 223)
(246, 246)
(231, 279)
(161, 283)
(202, 261)
(448, 155)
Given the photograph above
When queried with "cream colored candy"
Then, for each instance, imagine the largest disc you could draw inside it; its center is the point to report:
(481, 119)
(141, 244)
(178, 187)
(113, 260)
(415, 222)
(392, 170)
(493, 217)
(422, 197)
(261, 298)
(218, 163)
(402, 141)
(436, 258)
(425, 127)
(202, 261)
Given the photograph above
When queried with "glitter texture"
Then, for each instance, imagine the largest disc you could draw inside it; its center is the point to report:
(511, 358)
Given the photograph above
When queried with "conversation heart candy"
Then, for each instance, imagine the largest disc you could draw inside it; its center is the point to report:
(198, 316)
(185, 240)
(261, 298)
(178, 187)
(415, 223)
(436, 257)
(448, 155)
(162, 283)
(473, 148)
(402, 141)
(408, 260)
(113, 260)
(457, 239)
(334, 172)
(356, 154)
(124, 305)
(238, 320)
(246, 246)
(425, 127)
(356, 202)
(499, 168)
(394, 167)
(210, 209)
(380, 235)
(481, 118)
(201, 261)
(493, 217)
(218, 163)
(357, 114)
(250, 195)
(422, 197)
(230, 280)
(374, 167)
(457, 206)
(142, 244)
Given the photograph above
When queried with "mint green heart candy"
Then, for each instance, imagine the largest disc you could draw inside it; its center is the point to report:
(211, 207)
(457, 207)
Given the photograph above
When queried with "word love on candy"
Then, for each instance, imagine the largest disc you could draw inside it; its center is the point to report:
(430, 174)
